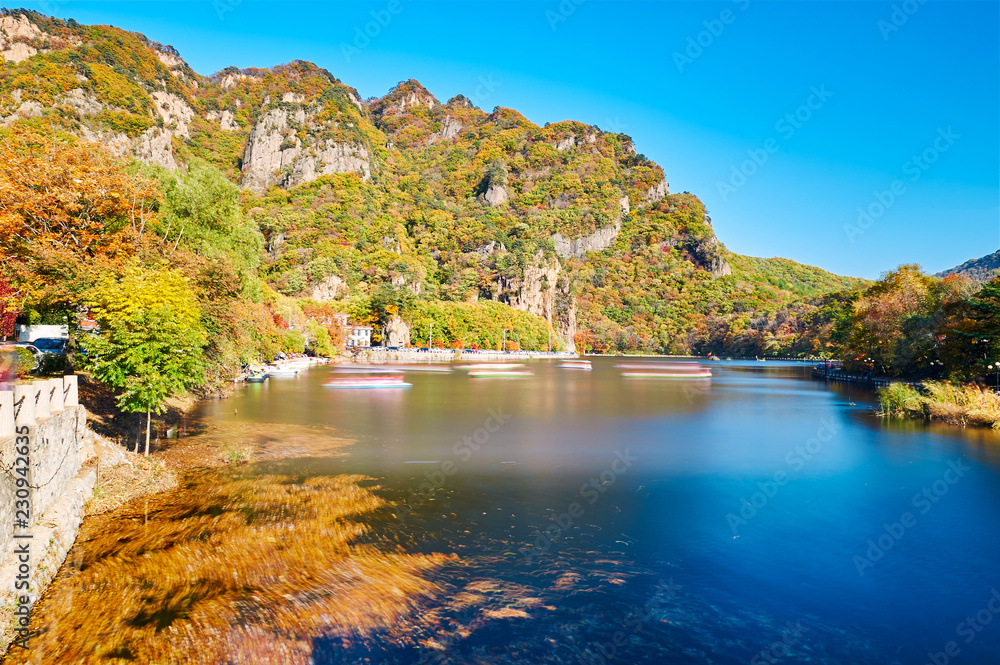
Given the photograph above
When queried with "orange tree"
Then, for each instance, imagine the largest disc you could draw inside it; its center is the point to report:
(69, 211)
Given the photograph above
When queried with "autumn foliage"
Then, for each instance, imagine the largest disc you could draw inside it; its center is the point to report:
(67, 207)
(9, 308)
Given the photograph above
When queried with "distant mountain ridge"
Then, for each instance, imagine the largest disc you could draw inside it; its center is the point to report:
(403, 194)
(981, 270)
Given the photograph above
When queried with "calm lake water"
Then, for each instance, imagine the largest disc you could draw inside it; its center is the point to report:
(757, 515)
(567, 517)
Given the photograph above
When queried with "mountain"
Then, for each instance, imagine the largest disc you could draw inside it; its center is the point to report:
(980, 270)
(388, 204)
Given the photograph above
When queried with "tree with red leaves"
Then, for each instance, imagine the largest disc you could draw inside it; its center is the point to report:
(10, 308)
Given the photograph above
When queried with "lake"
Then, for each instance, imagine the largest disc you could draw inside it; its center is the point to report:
(756, 517)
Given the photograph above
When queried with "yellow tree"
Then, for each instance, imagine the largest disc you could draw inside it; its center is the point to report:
(151, 342)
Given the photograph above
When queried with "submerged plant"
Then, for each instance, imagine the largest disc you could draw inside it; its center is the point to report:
(233, 567)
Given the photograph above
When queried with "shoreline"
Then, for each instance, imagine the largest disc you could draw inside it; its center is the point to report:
(962, 406)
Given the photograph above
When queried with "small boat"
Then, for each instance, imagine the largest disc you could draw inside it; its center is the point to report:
(282, 371)
(365, 369)
(499, 373)
(697, 374)
(255, 378)
(490, 366)
(576, 364)
(660, 366)
(369, 382)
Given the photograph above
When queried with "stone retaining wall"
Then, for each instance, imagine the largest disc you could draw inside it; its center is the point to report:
(44, 417)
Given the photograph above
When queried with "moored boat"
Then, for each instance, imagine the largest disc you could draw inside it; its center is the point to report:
(696, 374)
(499, 373)
(369, 382)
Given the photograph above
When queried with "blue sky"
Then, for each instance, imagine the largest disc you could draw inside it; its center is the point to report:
(786, 118)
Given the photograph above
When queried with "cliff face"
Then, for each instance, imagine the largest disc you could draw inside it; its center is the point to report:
(276, 155)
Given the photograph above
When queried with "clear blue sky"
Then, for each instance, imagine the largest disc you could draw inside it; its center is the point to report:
(920, 84)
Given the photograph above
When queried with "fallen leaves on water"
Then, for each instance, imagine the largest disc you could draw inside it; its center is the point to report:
(233, 567)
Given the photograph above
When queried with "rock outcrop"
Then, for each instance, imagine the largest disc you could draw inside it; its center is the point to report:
(175, 112)
(84, 103)
(397, 332)
(598, 240)
(710, 255)
(155, 147)
(544, 292)
(566, 144)
(449, 130)
(658, 191)
(275, 155)
(330, 288)
(496, 195)
(17, 36)
(225, 118)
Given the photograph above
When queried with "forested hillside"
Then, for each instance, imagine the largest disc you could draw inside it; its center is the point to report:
(283, 195)
(981, 270)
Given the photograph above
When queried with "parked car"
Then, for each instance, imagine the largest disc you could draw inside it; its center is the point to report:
(54, 345)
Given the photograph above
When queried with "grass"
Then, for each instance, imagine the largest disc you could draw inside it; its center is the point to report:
(237, 453)
(938, 400)
(899, 400)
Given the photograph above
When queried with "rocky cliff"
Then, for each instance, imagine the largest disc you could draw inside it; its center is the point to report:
(277, 155)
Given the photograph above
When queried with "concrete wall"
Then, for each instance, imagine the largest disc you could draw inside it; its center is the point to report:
(59, 486)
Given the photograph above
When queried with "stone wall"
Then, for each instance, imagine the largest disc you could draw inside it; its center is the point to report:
(44, 416)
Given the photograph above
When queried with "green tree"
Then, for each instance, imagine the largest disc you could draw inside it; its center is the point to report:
(320, 343)
(151, 340)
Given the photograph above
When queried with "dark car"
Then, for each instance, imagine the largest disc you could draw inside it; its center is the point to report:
(53, 345)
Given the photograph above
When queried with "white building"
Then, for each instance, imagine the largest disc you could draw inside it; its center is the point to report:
(23, 333)
(358, 335)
